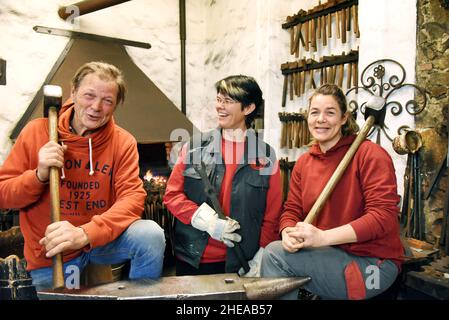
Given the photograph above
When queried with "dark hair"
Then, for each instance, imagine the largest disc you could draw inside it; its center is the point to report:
(350, 127)
(243, 89)
(105, 71)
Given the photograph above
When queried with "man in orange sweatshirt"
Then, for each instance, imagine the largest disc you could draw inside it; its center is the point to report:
(101, 194)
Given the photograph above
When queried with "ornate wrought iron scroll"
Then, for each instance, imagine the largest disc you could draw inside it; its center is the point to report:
(376, 80)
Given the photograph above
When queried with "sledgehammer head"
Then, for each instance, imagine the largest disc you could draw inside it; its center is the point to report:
(375, 107)
(52, 98)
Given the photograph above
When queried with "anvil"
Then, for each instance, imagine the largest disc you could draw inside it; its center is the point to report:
(227, 286)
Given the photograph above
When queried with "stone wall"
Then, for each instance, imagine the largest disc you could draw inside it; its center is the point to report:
(432, 74)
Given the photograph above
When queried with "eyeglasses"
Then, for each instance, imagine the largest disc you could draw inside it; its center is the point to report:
(225, 101)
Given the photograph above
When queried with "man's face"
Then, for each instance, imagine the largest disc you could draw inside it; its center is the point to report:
(95, 102)
(230, 113)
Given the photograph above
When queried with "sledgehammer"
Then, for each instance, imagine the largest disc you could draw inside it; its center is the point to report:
(52, 104)
(374, 114)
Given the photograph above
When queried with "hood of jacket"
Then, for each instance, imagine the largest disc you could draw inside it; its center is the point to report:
(100, 138)
(344, 142)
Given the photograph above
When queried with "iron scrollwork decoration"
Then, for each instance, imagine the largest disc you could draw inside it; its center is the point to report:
(377, 81)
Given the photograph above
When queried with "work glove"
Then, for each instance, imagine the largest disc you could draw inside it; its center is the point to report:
(254, 265)
(206, 219)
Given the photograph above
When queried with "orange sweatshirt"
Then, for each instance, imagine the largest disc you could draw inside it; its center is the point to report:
(104, 204)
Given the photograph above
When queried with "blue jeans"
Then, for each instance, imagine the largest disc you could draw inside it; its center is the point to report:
(143, 243)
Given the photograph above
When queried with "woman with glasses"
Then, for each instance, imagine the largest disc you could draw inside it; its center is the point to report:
(245, 176)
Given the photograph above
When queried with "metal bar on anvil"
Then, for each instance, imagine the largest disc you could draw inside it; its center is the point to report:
(227, 286)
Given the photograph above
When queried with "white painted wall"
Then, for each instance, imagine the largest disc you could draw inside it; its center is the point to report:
(223, 37)
(29, 58)
(255, 44)
(390, 33)
(31, 55)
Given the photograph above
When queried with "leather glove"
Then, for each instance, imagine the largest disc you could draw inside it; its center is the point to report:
(206, 219)
(254, 265)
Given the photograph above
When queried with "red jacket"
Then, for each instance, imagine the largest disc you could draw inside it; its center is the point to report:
(365, 197)
(103, 204)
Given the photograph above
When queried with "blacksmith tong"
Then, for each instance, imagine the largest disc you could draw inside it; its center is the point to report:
(210, 191)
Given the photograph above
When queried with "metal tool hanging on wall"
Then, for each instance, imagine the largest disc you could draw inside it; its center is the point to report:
(316, 24)
(384, 78)
(2, 72)
(295, 132)
(412, 216)
(286, 168)
(305, 74)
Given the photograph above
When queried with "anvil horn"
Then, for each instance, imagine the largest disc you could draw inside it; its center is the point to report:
(273, 288)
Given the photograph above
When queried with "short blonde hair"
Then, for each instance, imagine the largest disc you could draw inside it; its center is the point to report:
(105, 71)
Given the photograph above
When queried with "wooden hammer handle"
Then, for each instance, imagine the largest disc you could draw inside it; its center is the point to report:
(355, 14)
(338, 24)
(355, 76)
(338, 173)
(343, 25)
(284, 90)
(323, 25)
(292, 40)
(290, 79)
(284, 135)
(58, 275)
(306, 35)
(340, 75)
(348, 76)
(297, 39)
(318, 27)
